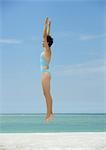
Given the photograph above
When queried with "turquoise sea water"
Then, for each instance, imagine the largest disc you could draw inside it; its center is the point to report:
(34, 123)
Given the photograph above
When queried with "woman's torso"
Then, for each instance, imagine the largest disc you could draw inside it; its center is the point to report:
(45, 59)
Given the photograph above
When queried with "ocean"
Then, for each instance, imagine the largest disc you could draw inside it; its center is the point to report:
(34, 123)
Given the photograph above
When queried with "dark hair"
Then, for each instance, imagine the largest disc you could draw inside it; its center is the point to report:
(49, 40)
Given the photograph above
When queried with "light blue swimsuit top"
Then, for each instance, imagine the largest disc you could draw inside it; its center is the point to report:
(43, 61)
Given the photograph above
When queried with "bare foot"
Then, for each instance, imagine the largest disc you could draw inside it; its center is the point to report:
(49, 118)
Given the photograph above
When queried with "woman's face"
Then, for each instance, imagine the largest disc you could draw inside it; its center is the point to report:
(44, 43)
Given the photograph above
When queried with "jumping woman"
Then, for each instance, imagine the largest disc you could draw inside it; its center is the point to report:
(45, 58)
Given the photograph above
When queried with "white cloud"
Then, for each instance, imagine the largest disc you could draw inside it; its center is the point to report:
(64, 34)
(91, 37)
(77, 36)
(9, 41)
(90, 68)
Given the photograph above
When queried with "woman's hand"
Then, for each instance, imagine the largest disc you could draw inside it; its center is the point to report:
(46, 21)
(50, 23)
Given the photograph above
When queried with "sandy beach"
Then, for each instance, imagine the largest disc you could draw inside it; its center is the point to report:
(53, 141)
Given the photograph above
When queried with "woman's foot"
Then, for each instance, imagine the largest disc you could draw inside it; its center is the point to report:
(49, 118)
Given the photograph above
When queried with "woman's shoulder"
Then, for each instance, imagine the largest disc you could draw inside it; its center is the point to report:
(47, 53)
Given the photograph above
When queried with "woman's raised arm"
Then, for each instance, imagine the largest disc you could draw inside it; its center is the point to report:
(45, 28)
(49, 25)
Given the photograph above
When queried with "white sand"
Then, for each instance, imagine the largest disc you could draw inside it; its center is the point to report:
(53, 141)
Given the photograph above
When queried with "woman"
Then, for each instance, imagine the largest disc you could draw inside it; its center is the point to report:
(45, 58)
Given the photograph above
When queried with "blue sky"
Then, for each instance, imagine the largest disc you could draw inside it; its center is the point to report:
(78, 64)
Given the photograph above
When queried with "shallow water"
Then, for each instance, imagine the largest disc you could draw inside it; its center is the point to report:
(29, 123)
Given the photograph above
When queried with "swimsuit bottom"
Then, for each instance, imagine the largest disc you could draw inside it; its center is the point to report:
(46, 70)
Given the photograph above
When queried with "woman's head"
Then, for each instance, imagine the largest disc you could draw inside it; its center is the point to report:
(48, 41)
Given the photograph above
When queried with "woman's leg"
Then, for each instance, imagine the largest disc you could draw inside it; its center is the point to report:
(46, 90)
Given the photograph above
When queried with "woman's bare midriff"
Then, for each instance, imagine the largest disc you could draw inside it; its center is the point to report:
(45, 67)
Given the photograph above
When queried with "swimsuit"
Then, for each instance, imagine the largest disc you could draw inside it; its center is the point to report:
(44, 63)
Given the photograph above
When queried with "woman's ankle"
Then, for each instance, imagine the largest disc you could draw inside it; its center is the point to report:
(49, 114)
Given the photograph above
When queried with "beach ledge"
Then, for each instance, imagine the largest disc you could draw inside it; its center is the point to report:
(53, 141)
